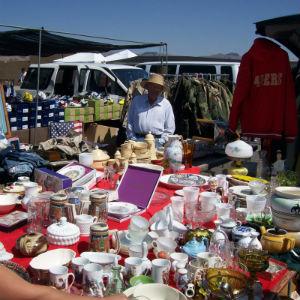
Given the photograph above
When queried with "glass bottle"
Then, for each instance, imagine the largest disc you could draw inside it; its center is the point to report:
(116, 284)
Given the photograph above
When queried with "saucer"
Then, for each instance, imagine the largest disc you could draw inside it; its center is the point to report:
(244, 191)
(125, 243)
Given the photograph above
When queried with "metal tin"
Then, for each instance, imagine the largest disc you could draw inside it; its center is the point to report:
(99, 238)
(57, 207)
(99, 205)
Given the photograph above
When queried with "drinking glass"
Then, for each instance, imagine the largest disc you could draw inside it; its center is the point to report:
(223, 210)
(201, 217)
(188, 152)
(177, 204)
(35, 217)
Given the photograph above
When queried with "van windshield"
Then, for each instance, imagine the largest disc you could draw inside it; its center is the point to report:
(129, 75)
(30, 80)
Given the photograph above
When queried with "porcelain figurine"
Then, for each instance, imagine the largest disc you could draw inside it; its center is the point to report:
(193, 247)
(32, 244)
(250, 241)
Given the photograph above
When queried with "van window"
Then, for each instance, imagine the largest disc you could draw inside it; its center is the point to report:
(159, 69)
(227, 70)
(65, 80)
(30, 80)
(82, 76)
(99, 82)
(129, 75)
(205, 69)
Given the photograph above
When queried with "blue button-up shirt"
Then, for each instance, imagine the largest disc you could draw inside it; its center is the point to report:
(157, 118)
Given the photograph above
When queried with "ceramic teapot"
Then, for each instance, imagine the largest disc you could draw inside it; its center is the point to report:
(32, 244)
(193, 247)
(275, 240)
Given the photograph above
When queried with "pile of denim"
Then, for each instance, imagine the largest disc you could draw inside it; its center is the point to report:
(20, 163)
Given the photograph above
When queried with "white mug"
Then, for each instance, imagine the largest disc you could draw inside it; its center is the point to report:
(59, 277)
(140, 251)
(84, 223)
(178, 257)
(134, 266)
(136, 236)
(160, 270)
(209, 260)
(208, 200)
(165, 244)
(78, 264)
(92, 280)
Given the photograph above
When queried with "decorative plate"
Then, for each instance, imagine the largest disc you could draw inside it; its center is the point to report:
(288, 192)
(178, 181)
(121, 209)
(73, 172)
(244, 191)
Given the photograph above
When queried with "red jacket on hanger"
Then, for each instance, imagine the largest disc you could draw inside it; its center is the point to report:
(264, 99)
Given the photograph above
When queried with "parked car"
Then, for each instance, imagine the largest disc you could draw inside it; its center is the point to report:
(77, 78)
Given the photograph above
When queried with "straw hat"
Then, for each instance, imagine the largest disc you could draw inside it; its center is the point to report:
(154, 78)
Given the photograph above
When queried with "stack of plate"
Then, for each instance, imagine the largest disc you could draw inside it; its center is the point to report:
(241, 192)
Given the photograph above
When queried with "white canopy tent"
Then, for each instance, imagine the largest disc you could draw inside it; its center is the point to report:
(89, 57)
(124, 54)
(83, 57)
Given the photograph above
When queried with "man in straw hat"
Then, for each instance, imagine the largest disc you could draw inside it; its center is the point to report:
(151, 112)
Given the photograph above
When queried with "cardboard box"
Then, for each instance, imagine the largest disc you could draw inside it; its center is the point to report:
(51, 181)
(96, 103)
(88, 119)
(23, 135)
(89, 110)
(41, 135)
(116, 107)
(110, 108)
(102, 134)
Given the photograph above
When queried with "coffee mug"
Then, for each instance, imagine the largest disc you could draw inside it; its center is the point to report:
(208, 200)
(133, 267)
(209, 260)
(78, 264)
(92, 280)
(84, 223)
(160, 270)
(59, 277)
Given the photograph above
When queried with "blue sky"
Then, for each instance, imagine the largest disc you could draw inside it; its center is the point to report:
(189, 27)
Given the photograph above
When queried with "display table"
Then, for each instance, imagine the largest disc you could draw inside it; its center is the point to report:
(9, 240)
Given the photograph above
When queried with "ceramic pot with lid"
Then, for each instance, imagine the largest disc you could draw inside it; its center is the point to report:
(32, 244)
(63, 233)
(276, 240)
(286, 213)
(100, 158)
(228, 224)
(240, 232)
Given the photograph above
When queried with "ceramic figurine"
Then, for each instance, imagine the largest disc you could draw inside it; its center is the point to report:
(250, 241)
(193, 247)
(150, 140)
(32, 244)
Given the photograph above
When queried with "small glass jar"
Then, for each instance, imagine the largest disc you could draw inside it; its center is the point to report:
(99, 238)
(99, 205)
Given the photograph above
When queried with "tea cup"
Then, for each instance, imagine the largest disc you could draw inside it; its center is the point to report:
(78, 264)
(178, 257)
(84, 223)
(164, 244)
(139, 223)
(59, 277)
(161, 228)
(140, 251)
(136, 236)
(160, 270)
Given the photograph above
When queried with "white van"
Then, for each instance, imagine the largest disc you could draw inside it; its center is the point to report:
(78, 78)
(209, 69)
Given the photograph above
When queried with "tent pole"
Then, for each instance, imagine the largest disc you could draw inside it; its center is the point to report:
(38, 84)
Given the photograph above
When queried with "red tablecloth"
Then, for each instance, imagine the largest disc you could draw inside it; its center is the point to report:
(9, 238)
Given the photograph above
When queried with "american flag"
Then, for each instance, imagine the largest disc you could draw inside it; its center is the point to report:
(58, 129)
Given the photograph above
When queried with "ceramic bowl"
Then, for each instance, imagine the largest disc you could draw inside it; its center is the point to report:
(140, 279)
(256, 186)
(155, 291)
(7, 203)
(101, 258)
(286, 221)
(40, 265)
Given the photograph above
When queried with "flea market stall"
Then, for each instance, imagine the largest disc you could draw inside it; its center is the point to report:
(88, 216)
